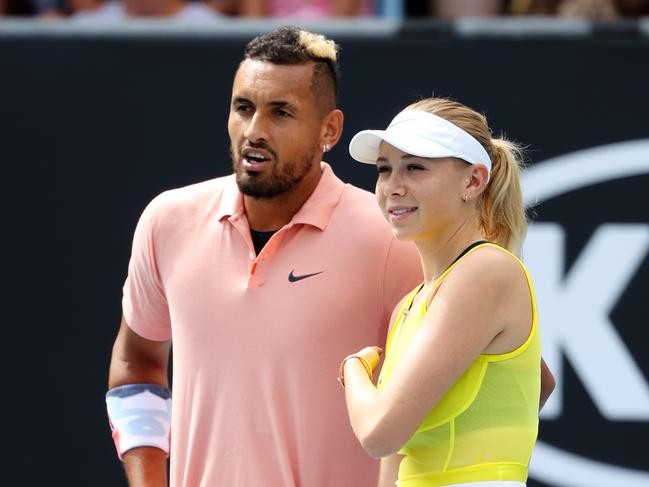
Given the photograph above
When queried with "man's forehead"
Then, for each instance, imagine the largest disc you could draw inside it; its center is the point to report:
(268, 79)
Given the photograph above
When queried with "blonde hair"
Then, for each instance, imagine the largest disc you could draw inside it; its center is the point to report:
(291, 45)
(502, 216)
(318, 46)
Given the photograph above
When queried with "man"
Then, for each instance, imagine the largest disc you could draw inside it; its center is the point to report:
(264, 281)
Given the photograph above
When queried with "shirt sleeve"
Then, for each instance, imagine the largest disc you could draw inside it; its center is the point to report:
(403, 273)
(144, 303)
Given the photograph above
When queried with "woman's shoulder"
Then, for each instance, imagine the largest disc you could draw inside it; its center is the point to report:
(487, 265)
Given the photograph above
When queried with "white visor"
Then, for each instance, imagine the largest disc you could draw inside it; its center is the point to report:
(420, 134)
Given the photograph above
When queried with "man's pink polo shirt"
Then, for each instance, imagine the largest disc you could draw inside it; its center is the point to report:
(257, 339)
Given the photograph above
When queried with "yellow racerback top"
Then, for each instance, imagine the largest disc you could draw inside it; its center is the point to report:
(485, 426)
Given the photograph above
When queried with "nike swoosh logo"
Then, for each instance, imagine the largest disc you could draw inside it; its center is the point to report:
(293, 278)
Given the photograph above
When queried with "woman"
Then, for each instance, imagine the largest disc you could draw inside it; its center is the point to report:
(457, 399)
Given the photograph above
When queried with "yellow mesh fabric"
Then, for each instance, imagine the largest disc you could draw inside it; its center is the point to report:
(485, 426)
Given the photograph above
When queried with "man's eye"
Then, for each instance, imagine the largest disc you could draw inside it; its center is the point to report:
(241, 108)
(283, 113)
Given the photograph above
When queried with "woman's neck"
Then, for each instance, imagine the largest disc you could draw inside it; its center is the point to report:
(437, 254)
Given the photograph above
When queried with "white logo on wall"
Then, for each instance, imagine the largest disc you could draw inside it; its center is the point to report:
(580, 302)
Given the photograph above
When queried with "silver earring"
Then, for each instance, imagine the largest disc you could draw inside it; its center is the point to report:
(465, 198)
(326, 148)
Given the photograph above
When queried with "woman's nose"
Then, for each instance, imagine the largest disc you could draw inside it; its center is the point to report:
(394, 186)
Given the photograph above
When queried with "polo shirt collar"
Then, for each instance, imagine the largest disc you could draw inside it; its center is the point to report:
(316, 210)
(230, 204)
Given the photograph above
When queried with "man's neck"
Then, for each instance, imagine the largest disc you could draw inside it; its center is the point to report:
(267, 214)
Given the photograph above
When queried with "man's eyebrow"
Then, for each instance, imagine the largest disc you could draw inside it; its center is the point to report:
(272, 103)
(283, 104)
(241, 99)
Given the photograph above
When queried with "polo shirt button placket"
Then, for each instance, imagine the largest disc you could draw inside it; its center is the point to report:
(253, 280)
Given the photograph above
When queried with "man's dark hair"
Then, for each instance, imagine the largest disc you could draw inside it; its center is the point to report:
(291, 45)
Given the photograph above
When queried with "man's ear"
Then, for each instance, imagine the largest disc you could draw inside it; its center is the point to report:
(332, 129)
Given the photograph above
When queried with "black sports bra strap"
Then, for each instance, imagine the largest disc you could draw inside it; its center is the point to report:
(465, 251)
(412, 298)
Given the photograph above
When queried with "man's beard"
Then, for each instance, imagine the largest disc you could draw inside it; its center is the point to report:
(278, 181)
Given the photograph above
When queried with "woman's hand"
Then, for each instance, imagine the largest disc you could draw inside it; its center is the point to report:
(371, 354)
(369, 357)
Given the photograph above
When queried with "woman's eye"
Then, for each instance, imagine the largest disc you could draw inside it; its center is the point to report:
(382, 169)
(415, 167)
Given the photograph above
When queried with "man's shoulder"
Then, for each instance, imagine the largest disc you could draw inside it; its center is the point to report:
(194, 196)
(361, 225)
(358, 192)
(359, 198)
(357, 203)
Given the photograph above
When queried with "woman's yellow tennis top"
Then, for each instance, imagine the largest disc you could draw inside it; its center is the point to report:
(485, 426)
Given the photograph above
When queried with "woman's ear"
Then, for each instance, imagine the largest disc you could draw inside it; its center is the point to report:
(477, 179)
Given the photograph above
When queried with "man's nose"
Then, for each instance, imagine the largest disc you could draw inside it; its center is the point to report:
(256, 131)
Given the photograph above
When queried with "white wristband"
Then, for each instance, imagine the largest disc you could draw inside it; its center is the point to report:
(139, 415)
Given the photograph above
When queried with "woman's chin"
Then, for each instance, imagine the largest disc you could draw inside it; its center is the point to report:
(401, 233)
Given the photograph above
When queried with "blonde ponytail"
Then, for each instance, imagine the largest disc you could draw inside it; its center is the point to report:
(502, 215)
(500, 207)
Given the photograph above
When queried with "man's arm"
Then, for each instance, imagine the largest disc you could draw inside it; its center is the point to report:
(136, 360)
(547, 383)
